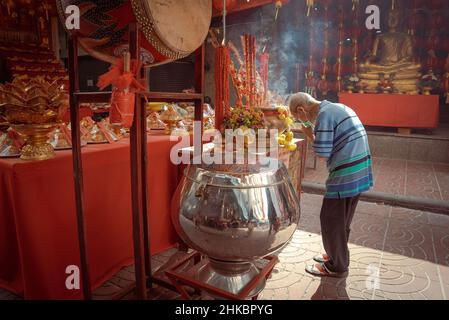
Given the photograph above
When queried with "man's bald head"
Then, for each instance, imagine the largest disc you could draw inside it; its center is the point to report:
(302, 102)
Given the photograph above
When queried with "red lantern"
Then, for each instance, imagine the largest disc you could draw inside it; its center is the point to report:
(333, 49)
(419, 4)
(323, 87)
(325, 3)
(446, 83)
(122, 108)
(346, 68)
(230, 5)
(445, 44)
(435, 4)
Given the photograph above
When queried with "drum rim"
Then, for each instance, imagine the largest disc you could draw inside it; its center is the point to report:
(149, 30)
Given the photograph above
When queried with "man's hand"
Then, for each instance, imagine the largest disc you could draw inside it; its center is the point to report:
(308, 132)
(302, 115)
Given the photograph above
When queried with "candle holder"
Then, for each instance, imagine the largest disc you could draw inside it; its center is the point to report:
(36, 137)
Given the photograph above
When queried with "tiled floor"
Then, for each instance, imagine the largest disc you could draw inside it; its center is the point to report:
(402, 177)
(409, 250)
(396, 253)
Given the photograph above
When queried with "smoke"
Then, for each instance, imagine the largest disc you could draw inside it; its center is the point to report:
(283, 59)
(286, 40)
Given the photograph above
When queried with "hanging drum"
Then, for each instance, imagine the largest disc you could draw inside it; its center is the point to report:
(169, 29)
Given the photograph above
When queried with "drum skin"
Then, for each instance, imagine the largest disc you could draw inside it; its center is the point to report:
(168, 29)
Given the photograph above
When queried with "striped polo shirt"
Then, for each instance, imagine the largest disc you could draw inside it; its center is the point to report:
(341, 137)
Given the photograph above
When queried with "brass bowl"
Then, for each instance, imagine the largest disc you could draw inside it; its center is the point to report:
(23, 115)
(156, 106)
(36, 137)
(171, 118)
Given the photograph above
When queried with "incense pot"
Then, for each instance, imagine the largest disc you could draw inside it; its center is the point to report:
(235, 215)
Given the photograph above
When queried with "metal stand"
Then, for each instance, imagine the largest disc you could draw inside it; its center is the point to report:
(139, 161)
(180, 279)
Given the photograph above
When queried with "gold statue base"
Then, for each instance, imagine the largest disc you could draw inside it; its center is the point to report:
(37, 147)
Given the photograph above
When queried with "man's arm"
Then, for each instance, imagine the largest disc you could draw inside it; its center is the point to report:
(309, 132)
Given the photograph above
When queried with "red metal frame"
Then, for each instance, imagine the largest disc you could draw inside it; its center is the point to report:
(139, 181)
(179, 280)
(78, 164)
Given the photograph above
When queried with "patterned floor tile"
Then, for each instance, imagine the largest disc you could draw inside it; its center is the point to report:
(364, 256)
(5, 295)
(107, 291)
(373, 209)
(422, 181)
(442, 176)
(446, 291)
(368, 231)
(441, 243)
(304, 285)
(413, 178)
(391, 176)
(395, 254)
(410, 239)
(408, 216)
(438, 220)
(411, 288)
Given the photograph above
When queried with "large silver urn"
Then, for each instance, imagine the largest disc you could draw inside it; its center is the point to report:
(235, 214)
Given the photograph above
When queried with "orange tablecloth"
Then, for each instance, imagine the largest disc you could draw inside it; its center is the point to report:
(394, 110)
(38, 234)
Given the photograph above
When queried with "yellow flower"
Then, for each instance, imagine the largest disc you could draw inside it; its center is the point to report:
(289, 121)
(281, 141)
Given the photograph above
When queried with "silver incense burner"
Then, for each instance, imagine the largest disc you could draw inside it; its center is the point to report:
(235, 214)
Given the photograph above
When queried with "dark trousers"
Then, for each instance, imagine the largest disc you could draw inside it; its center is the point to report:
(336, 217)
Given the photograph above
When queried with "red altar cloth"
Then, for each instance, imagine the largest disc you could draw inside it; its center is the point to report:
(38, 231)
(394, 110)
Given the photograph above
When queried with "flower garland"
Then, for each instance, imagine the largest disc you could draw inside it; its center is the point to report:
(245, 122)
(241, 117)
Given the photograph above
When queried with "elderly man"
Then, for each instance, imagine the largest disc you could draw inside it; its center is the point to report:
(339, 137)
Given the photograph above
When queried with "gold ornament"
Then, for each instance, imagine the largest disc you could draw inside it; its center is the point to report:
(33, 108)
(392, 55)
(36, 137)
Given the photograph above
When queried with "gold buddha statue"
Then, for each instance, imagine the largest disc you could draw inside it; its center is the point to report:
(391, 57)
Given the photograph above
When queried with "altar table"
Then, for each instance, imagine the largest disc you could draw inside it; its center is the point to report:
(394, 110)
(38, 230)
